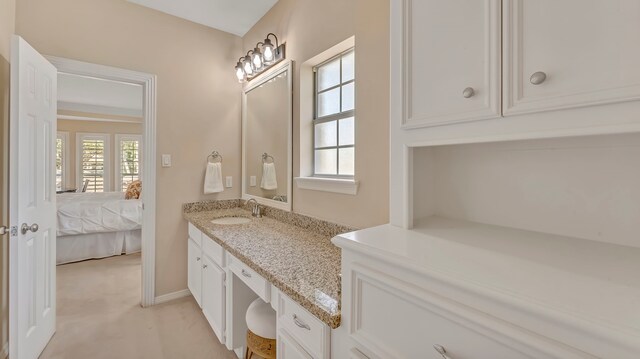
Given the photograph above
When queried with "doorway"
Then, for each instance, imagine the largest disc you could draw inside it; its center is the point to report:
(115, 176)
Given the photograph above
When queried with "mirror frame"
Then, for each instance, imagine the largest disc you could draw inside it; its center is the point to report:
(286, 65)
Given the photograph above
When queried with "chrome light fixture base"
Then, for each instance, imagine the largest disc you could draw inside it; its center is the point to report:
(260, 59)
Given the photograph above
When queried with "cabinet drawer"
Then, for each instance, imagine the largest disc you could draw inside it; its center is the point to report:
(303, 326)
(395, 319)
(213, 250)
(195, 234)
(252, 279)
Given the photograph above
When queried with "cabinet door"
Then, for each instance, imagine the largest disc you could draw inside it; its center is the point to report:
(289, 349)
(213, 296)
(194, 268)
(451, 60)
(588, 51)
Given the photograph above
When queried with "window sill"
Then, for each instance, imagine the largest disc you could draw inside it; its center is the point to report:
(343, 186)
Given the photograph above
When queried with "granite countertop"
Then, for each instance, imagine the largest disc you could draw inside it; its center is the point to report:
(300, 261)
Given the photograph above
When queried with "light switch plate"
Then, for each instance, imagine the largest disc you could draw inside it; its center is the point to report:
(252, 181)
(229, 180)
(166, 160)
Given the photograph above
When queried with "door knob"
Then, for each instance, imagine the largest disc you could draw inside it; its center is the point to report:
(538, 77)
(26, 228)
(4, 230)
(468, 92)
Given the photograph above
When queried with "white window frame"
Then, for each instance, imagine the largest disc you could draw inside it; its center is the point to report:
(80, 136)
(64, 136)
(306, 180)
(336, 117)
(118, 162)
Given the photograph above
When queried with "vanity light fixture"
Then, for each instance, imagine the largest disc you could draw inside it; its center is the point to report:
(262, 57)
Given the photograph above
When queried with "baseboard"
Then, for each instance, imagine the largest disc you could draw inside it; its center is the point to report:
(172, 296)
(5, 351)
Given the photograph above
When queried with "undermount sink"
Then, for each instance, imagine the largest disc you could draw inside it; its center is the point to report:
(231, 220)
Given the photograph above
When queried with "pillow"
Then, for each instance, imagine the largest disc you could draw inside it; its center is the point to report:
(133, 190)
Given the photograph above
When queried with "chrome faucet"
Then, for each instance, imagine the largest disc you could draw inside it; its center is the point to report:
(256, 208)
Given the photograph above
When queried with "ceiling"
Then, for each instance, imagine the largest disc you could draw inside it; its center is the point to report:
(233, 16)
(99, 96)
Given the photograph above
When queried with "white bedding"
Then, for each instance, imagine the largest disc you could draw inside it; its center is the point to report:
(84, 213)
(97, 245)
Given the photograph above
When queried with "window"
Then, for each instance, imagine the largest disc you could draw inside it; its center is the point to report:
(128, 160)
(93, 161)
(334, 119)
(62, 140)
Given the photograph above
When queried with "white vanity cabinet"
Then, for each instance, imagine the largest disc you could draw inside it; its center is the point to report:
(206, 279)
(467, 60)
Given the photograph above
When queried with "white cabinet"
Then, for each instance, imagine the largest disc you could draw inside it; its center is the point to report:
(304, 328)
(451, 61)
(206, 279)
(289, 349)
(589, 51)
(194, 258)
(213, 296)
(466, 60)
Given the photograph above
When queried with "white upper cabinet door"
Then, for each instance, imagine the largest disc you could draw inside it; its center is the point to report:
(450, 66)
(570, 53)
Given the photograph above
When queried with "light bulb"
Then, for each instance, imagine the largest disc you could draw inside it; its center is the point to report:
(248, 69)
(267, 48)
(240, 72)
(257, 60)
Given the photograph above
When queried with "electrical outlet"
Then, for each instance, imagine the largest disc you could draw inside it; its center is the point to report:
(229, 180)
(166, 160)
(252, 181)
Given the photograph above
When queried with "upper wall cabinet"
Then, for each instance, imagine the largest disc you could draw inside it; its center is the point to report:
(451, 61)
(569, 53)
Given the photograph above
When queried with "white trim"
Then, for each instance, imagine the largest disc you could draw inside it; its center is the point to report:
(98, 109)
(64, 135)
(149, 84)
(286, 65)
(95, 119)
(335, 185)
(172, 296)
(118, 159)
(81, 136)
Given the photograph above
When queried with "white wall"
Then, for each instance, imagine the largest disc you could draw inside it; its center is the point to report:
(585, 187)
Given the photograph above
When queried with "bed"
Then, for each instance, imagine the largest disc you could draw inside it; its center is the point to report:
(97, 225)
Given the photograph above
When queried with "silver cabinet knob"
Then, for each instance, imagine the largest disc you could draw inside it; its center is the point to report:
(538, 77)
(26, 228)
(197, 259)
(468, 92)
(245, 273)
(441, 350)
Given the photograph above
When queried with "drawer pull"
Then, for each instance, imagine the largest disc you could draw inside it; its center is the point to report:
(441, 350)
(538, 77)
(246, 274)
(300, 323)
(468, 92)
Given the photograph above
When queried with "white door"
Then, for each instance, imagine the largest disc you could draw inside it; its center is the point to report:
(33, 202)
(213, 296)
(451, 60)
(194, 270)
(570, 53)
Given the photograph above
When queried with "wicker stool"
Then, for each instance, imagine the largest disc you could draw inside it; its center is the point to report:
(261, 333)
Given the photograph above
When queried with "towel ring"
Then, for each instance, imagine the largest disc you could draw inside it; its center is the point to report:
(213, 156)
(266, 157)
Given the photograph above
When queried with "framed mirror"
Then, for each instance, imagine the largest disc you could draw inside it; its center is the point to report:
(266, 137)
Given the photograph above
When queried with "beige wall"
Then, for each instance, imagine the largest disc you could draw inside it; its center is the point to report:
(7, 18)
(111, 128)
(198, 99)
(310, 27)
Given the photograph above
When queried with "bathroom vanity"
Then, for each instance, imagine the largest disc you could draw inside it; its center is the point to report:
(283, 258)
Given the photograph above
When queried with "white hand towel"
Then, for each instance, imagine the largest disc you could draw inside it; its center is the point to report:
(213, 178)
(268, 181)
